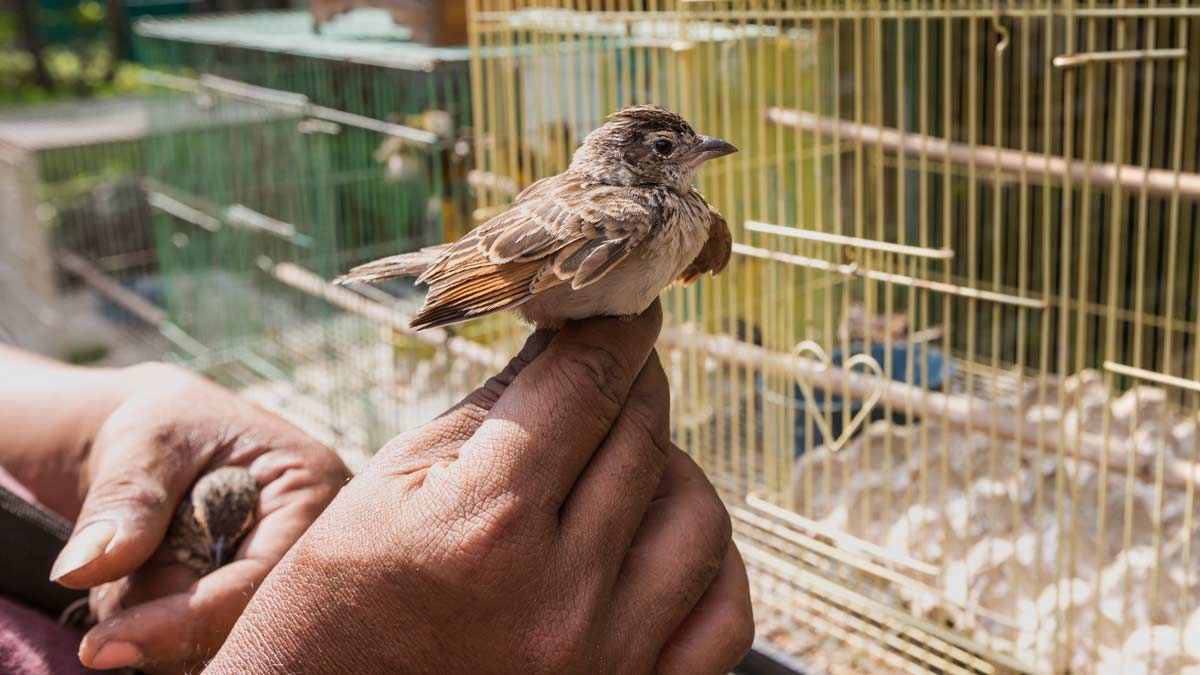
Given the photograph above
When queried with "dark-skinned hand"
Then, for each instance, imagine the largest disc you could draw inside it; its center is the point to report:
(546, 524)
(160, 429)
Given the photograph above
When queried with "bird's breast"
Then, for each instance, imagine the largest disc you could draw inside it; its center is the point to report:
(631, 286)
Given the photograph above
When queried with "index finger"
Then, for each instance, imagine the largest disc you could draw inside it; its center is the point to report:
(180, 628)
(542, 431)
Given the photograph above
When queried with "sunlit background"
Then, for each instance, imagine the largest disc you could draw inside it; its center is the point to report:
(949, 384)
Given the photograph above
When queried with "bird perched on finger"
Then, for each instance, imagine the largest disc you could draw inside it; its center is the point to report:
(603, 238)
(212, 519)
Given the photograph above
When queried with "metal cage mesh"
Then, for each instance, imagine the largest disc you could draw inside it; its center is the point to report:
(277, 160)
(69, 183)
(949, 381)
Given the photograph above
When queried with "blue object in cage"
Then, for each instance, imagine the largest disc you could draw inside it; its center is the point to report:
(148, 286)
(930, 369)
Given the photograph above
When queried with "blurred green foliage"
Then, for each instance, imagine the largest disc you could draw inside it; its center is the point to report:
(76, 75)
(77, 38)
(8, 27)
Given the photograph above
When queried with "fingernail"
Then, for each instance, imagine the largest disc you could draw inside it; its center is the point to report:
(116, 655)
(87, 545)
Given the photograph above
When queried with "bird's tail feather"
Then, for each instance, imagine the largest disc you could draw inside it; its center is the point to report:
(393, 267)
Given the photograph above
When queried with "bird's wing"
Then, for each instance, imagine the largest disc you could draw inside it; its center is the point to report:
(714, 255)
(418, 263)
(559, 230)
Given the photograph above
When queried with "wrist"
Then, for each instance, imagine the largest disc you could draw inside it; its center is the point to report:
(308, 614)
(285, 628)
(51, 413)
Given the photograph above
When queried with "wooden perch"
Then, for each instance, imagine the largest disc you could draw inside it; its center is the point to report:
(132, 302)
(1158, 182)
(964, 412)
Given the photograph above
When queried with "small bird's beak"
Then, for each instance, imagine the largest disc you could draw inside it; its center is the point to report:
(218, 553)
(712, 148)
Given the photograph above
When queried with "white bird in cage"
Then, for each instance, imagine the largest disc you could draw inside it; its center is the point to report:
(603, 238)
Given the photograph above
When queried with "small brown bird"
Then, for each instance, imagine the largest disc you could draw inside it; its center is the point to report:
(603, 238)
(204, 534)
(212, 519)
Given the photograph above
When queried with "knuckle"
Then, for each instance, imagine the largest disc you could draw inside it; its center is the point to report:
(404, 444)
(595, 367)
(717, 522)
(169, 437)
(741, 633)
(562, 641)
(553, 657)
(483, 532)
(474, 532)
(710, 531)
(651, 418)
(710, 517)
(705, 572)
(129, 493)
(639, 460)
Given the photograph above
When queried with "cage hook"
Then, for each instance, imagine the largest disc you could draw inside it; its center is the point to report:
(850, 257)
(1001, 30)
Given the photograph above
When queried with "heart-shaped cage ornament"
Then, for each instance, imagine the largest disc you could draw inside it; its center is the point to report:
(821, 415)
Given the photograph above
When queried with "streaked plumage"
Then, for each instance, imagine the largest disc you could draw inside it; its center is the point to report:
(603, 238)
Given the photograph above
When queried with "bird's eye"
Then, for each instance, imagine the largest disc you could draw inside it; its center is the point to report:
(663, 147)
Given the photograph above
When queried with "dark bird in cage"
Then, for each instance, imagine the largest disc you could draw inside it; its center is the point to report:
(212, 519)
(857, 325)
(603, 238)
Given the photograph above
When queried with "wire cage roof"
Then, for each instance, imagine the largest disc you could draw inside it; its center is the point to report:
(365, 36)
(45, 127)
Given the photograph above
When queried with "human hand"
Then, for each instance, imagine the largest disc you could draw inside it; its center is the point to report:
(167, 427)
(546, 524)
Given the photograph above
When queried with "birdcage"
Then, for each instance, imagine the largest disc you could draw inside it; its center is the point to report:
(278, 159)
(77, 266)
(360, 63)
(948, 384)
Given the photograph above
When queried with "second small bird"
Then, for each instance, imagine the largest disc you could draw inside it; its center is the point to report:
(603, 238)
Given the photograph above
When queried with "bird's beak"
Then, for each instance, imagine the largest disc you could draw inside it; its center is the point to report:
(712, 148)
(218, 553)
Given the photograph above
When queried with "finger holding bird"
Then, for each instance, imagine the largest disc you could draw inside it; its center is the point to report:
(207, 528)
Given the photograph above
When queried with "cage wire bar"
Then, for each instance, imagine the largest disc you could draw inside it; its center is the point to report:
(949, 382)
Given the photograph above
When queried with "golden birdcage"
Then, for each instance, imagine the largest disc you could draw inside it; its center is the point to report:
(949, 382)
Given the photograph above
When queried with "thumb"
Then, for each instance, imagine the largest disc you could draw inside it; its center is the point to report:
(135, 486)
(440, 438)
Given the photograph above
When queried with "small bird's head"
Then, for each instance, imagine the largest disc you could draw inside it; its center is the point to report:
(224, 503)
(647, 145)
